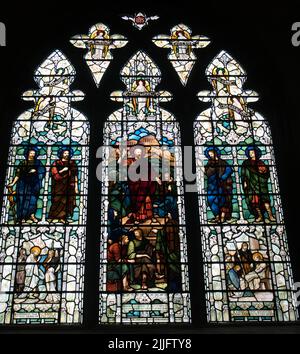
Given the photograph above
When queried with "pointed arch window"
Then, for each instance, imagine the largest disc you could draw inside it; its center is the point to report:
(43, 220)
(246, 260)
(143, 270)
(144, 276)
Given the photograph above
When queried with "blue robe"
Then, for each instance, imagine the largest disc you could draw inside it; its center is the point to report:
(219, 187)
(28, 187)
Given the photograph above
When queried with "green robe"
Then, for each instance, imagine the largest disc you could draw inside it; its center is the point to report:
(142, 264)
(256, 175)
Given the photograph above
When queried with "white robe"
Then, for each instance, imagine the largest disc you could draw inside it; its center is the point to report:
(32, 274)
(50, 279)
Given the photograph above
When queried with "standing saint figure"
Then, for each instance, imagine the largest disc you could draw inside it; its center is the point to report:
(28, 180)
(255, 175)
(52, 266)
(32, 276)
(141, 98)
(21, 274)
(219, 185)
(64, 175)
(142, 181)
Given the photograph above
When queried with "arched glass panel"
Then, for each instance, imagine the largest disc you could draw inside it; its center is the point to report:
(42, 241)
(246, 260)
(143, 271)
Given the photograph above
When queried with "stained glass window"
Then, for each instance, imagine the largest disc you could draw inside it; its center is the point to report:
(42, 241)
(181, 42)
(143, 270)
(99, 43)
(246, 260)
(140, 225)
(140, 20)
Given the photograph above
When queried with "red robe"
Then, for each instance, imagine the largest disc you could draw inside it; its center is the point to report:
(141, 192)
(63, 190)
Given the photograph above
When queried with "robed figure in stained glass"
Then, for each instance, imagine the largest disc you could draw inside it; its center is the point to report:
(166, 206)
(219, 185)
(32, 276)
(244, 259)
(142, 188)
(64, 174)
(51, 266)
(28, 180)
(141, 104)
(118, 269)
(142, 253)
(21, 274)
(255, 175)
